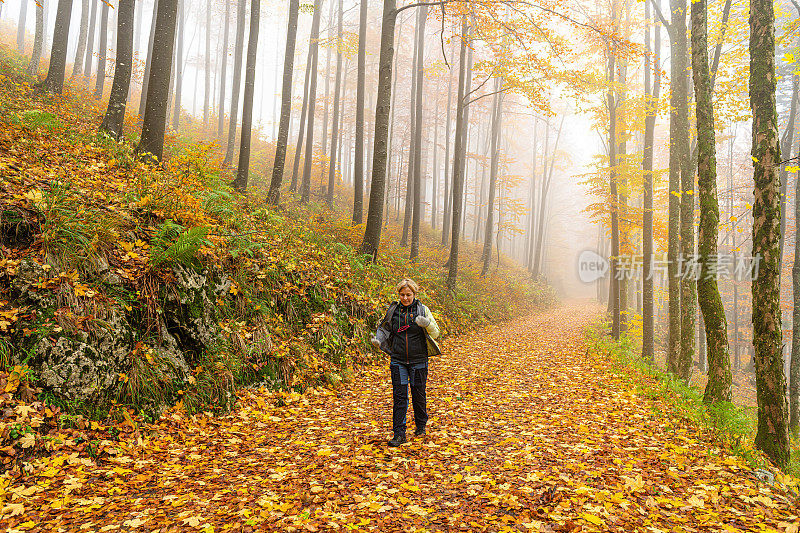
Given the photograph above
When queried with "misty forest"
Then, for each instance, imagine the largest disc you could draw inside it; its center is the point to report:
(435, 265)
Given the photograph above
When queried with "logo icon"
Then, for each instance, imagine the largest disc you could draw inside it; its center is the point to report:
(591, 266)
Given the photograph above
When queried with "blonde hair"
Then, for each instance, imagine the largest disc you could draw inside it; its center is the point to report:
(410, 283)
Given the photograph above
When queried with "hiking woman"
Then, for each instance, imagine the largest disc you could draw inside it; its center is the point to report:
(407, 334)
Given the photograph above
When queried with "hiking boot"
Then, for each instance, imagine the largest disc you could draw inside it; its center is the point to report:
(419, 431)
(397, 441)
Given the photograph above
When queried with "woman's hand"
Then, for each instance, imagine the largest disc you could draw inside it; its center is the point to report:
(375, 342)
(422, 321)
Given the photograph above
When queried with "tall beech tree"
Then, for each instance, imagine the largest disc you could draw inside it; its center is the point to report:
(459, 151)
(54, 82)
(224, 69)
(305, 183)
(652, 93)
(358, 166)
(237, 81)
(718, 388)
(417, 184)
(80, 51)
(273, 195)
(772, 435)
(38, 40)
(151, 145)
(335, 136)
(102, 50)
(494, 156)
(243, 172)
(148, 63)
(372, 230)
(89, 59)
(23, 16)
(115, 113)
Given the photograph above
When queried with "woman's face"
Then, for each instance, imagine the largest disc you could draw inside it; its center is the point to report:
(406, 296)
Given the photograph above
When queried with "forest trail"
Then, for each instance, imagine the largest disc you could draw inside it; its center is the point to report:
(528, 432)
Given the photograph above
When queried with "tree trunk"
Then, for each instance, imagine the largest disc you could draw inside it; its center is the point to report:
(688, 285)
(103, 50)
(23, 15)
(302, 130)
(36, 56)
(653, 92)
(308, 163)
(335, 142)
(417, 200)
(324, 132)
(87, 65)
(148, 63)
(207, 69)
(358, 167)
(54, 82)
(794, 365)
(243, 172)
(412, 148)
(497, 120)
(435, 166)
(532, 203)
(678, 125)
(115, 114)
(178, 67)
(458, 156)
(237, 82)
(151, 145)
(772, 436)
(546, 180)
(372, 231)
(223, 80)
(446, 196)
(718, 388)
(80, 52)
(286, 106)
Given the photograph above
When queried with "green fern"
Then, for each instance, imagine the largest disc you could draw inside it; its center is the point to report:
(184, 248)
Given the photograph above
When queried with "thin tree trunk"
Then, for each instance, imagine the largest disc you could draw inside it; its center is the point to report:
(335, 142)
(151, 146)
(148, 63)
(497, 120)
(412, 148)
(532, 203)
(36, 56)
(688, 285)
(223, 80)
(372, 231)
(772, 436)
(718, 388)
(653, 91)
(302, 131)
(417, 199)
(794, 365)
(80, 52)
(358, 167)
(286, 105)
(446, 193)
(103, 51)
(243, 172)
(176, 112)
(23, 15)
(207, 70)
(458, 155)
(308, 163)
(54, 82)
(115, 114)
(87, 66)
(237, 82)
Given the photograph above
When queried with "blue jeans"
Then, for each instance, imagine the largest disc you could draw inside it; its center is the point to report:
(403, 376)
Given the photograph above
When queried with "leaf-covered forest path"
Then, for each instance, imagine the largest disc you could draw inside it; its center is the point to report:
(529, 432)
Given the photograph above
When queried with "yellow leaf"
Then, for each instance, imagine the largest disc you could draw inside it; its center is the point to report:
(457, 478)
(592, 519)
